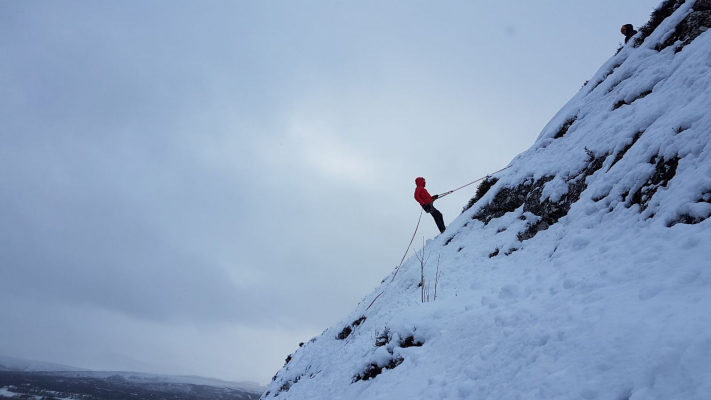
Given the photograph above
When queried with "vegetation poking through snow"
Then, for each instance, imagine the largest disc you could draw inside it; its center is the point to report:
(390, 358)
(658, 16)
(508, 199)
(625, 103)
(696, 23)
(424, 286)
(481, 190)
(699, 216)
(626, 148)
(372, 370)
(529, 194)
(349, 329)
(564, 129)
(664, 171)
(608, 73)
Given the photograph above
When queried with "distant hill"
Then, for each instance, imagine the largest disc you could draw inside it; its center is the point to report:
(36, 378)
(88, 386)
(140, 377)
(19, 364)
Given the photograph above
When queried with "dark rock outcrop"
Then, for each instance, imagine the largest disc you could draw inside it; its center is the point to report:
(349, 329)
(529, 193)
(625, 149)
(691, 27)
(481, 190)
(658, 16)
(664, 171)
(566, 126)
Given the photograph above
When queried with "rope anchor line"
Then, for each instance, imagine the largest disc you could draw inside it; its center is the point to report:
(471, 183)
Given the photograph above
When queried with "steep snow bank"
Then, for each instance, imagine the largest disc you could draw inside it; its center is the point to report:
(583, 272)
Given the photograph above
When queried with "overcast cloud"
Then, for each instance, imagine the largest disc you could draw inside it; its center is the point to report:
(197, 187)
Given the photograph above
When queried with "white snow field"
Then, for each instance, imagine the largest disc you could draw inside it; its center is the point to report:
(612, 301)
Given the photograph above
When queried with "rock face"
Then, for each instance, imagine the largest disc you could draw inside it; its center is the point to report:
(529, 194)
(696, 23)
(659, 15)
(581, 271)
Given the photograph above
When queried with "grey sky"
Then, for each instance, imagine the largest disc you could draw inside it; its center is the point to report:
(199, 186)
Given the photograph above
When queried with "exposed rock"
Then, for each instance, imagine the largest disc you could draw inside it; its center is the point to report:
(625, 149)
(287, 385)
(528, 194)
(509, 199)
(612, 70)
(692, 220)
(345, 333)
(373, 370)
(688, 220)
(481, 190)
(349, 329)
(385, 337)
(624, 103)
(658, 16)
(664, 171)
(382, 339)
(410, 342)
(691, 27)
(564, 129)
(511, 250)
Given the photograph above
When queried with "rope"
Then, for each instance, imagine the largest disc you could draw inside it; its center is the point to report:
(418, 227)
(376, 298)
(439, 196)
(401, 261)
(408, 246)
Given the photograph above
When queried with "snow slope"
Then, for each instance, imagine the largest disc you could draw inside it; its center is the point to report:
(583, 273)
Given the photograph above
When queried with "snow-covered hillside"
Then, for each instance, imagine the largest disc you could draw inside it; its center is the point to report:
(584, 272)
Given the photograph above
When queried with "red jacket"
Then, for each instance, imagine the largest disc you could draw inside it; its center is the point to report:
(421, 194)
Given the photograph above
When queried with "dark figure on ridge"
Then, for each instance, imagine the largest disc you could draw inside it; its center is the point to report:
(628, 31)
(423, 197)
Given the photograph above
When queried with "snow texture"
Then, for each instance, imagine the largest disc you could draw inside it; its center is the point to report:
(609, 299)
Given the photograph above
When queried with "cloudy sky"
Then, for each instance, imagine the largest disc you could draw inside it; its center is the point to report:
(197, 187)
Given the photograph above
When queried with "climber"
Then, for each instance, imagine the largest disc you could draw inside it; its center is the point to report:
(628, 31)
(423, 197)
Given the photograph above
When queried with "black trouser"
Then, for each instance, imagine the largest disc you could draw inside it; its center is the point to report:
(429, 209)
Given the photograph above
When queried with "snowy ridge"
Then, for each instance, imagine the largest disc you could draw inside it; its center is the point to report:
(51, 369)
(141, 377)
(583, 273)
(18, 364)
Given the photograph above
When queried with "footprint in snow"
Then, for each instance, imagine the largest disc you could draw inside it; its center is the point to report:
(649, 291)
(509, 292)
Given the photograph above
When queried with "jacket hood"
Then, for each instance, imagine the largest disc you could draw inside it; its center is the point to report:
(629, 30)
(420, 182)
